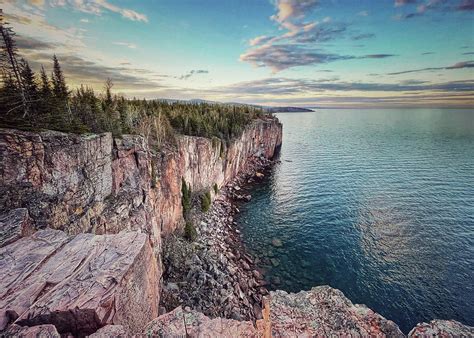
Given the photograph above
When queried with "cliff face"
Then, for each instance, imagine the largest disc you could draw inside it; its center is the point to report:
(102, 185)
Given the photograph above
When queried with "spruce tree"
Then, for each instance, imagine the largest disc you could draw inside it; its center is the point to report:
(60, 90)
(45, 95)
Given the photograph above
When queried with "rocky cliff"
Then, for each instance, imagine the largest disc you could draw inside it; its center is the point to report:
(87, 188)
(100, 185)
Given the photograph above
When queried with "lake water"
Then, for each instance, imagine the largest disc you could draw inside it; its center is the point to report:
(376, 203)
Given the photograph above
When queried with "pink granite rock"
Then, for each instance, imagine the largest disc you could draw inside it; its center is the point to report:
(90, 282)
(39, 331)
(324, 311)
(189, 323)
(19, 262)
(442, 328)
(109, 331)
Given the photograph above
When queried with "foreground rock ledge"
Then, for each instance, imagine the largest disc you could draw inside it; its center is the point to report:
(79, 285)
(320, 311)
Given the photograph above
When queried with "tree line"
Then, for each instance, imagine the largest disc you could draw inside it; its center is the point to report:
(32, 101)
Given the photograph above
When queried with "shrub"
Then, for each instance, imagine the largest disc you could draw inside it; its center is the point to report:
(190, 231)
(206, 201)
(186, 199)
(216, 188)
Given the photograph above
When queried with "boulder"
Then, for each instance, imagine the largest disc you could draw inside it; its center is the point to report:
(19, 262)
(442, 328)
(39, 331)
(189, 323)
(110, 331)
(325, 311)
(89, 282)
(14, 224)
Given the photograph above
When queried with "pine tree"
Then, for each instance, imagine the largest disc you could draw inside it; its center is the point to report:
(60, 90)
(45, 96)
(29, 80)
(45, 85)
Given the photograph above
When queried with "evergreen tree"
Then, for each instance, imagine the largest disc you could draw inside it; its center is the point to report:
(60, 90)
(29, 80)
(45, 85)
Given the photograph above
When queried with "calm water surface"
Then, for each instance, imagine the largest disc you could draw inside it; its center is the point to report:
(377, 203)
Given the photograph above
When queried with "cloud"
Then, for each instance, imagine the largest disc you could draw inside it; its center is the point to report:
(97, 7)
(37, 3)
(458, 65)
(26, 44)
(363, 36)
(406, 16)
(260, 40)
(192, 73)
(285, 86)
(466, 5)
(363, 13)
(399, 3)
(468, 53)
(377, 56)
(288, 10)
(427, 53)
(125, 44)
(84, 20)
(282, 56)
(78, 71)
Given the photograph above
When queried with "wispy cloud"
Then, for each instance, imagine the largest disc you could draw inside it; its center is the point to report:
(125, 44)
(363, 36)
(97, 7)
(399, 3)
(377, 56)
(466, 5)
(282, 56)
(458, 65)
(192, 73)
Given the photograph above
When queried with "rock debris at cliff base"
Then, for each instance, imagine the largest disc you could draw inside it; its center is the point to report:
(214, 275)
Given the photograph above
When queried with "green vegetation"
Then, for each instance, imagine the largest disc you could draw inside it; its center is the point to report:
(206, 201)
(216, 188)
(186, 199)
(33, 102)
(190, 231)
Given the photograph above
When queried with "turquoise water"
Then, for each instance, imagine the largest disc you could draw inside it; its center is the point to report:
(377, 203)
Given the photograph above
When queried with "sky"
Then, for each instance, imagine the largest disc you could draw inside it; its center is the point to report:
(307, 53)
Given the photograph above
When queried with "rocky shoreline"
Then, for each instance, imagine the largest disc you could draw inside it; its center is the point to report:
(214, 274)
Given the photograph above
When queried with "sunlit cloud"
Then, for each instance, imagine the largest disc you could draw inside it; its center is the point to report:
(97, 7)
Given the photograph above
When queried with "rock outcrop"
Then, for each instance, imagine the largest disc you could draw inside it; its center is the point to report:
(79, 285)
(14, 224)
(97, 184)
(40, 331)
(441, 328)
(189, 323)
(322, 311)
(325, 311)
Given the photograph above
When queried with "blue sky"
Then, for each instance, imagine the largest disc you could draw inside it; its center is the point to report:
(335, 53)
